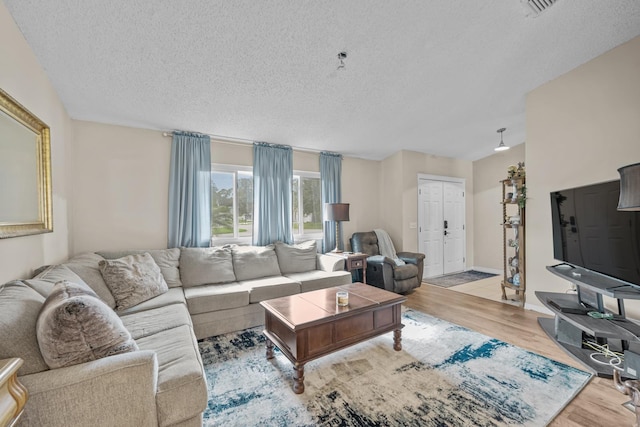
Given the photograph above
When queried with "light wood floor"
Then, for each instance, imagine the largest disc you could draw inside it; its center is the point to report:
(598, 404)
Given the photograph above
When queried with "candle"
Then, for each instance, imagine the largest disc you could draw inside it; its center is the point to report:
(342, 298)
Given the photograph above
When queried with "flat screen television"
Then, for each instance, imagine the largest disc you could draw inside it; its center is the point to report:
(589, 231)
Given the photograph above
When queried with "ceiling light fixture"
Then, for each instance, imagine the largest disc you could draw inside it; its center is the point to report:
(501, 146)
(341, 57)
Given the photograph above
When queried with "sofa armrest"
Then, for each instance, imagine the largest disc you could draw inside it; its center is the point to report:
(115, 390)
(411, 257)
(329, 263)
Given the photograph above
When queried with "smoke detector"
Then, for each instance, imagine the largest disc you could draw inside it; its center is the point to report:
(534, 8)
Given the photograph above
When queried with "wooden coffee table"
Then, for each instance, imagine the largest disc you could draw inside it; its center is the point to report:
(310, 325)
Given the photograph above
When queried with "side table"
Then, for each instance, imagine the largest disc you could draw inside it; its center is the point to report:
(13, 395)
(353, 261)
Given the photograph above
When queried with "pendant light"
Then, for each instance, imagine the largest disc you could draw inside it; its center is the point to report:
(501, 146)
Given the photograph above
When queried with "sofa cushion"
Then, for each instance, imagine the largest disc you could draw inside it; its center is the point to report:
(133, 279)
(201, 266)
(173, 296)
(86, 266)
(167, 259)
(54, 274)
(317, 279)
(252, 262)
(148, 322)
(182, 389)
(75, 326)
(19, 308)
(203, 299)
(296, 258)
(270, 287)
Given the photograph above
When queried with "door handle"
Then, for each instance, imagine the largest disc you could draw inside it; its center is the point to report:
(445, 232)
(446, 224)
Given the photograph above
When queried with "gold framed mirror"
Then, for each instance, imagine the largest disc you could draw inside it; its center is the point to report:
(25, 171)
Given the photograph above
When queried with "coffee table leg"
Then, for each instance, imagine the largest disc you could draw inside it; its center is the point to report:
(269, 349)
(397, 339)
(298, 379)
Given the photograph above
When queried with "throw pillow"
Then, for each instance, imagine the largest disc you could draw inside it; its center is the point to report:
(167, 259)
(253, 262)
(297, 258)
(133, 279)
(201, 266)
(75, 326)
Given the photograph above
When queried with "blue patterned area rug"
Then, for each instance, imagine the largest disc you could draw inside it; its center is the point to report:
(445, 375)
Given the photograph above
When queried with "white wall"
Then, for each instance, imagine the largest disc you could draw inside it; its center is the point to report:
(581, 127)
(121, 180)
(487, 192)
(23, 79)
(121, 187)
(399, 195)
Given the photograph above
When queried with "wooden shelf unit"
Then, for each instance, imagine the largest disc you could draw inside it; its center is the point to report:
(513, 248)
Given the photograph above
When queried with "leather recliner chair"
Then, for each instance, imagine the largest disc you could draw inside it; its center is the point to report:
(382, 271)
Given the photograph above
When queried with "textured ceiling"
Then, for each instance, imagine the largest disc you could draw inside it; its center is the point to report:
(435, 76)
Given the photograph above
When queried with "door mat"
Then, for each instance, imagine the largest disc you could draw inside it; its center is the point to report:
(455, 279)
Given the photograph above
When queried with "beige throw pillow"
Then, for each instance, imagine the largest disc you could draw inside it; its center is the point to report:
(133, 279)
(298, 258)
(75, 326)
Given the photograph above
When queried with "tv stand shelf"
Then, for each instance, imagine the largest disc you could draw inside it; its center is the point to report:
(596, 282)
(571, 323)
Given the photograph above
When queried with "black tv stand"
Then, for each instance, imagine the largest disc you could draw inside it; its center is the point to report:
(571, 323)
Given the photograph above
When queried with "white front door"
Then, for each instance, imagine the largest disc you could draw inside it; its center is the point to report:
(441, 230)
(431, 231)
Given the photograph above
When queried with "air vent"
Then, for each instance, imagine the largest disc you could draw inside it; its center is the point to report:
(535, 7)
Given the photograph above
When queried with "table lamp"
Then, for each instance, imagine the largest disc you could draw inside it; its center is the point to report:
(336, 212)
(629, 188)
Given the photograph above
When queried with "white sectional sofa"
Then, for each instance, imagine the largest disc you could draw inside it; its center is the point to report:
(208, 291)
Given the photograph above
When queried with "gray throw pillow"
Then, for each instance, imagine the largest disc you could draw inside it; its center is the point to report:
(75, 326)
(202, 266)
(298, 258)
(167, 259)
(253, 262)
(133, 279)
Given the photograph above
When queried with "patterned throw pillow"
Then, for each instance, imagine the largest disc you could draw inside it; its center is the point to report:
(133, 279)
(75, 326)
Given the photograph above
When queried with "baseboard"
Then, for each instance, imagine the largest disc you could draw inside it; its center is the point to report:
(486, 270)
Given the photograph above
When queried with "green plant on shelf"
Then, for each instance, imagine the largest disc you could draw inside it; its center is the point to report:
(522, 197)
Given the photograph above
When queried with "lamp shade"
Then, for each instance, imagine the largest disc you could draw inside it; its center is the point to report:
(336, 211)
(629, 188)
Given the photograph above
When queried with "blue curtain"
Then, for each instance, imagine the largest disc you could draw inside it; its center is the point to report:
(190, 190)
(272, 181)
(331, 187)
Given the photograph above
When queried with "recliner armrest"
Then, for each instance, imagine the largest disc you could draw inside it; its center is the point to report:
(380, 259)
(411, 257)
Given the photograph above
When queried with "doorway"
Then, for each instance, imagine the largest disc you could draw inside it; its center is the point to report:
(441, 227)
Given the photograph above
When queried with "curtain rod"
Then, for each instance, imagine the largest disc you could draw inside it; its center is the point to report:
(243, 142)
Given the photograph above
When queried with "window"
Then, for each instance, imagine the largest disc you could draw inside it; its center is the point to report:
(232, 204)
(307, 204)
